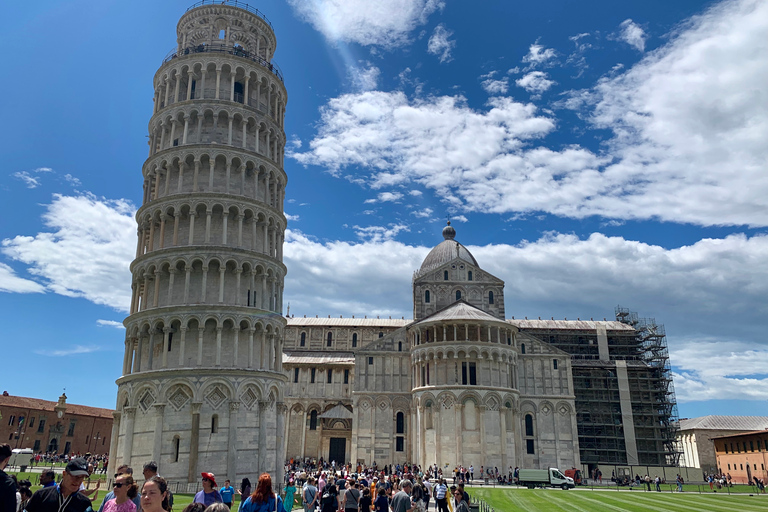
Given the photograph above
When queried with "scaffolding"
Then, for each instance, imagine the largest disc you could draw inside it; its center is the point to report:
(598, 403)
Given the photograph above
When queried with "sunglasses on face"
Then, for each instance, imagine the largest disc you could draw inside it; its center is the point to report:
(118, 484)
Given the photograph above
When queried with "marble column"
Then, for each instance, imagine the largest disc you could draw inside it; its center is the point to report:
(194, 443)
(158, 440)
(234, 407)
(130, 415)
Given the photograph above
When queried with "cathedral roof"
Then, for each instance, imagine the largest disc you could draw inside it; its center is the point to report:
(447, 250)
(460, 310)
(716, 422)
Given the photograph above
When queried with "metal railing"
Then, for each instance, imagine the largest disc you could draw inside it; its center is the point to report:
(233, 3)
(231, 50)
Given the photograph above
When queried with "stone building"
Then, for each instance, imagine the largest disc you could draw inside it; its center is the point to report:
(744, 456)
(695, 437)
(202, 383)
(460, 384)
(46, 426)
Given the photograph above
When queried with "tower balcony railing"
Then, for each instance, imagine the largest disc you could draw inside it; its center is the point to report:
(234, 3)
(231, 50)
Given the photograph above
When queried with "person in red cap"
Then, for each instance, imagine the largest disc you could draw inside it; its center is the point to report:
(209, 495)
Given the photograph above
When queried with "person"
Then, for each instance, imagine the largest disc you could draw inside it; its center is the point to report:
(351, 497)
(679, 482)
(328, 503)
(657, 480)
(464, 493)
(417, 496)
(217, 507)
(382, 503)
(244, 491)
(26, 494)
(124, 489)
(227, 493)
(194, 507)
(401, 502)
(461, 505)
(122, 469)
(150, 470)
(65, 496)
(309, 495)
(263, 498)
(154, 495)
(209, 495)
(7, 485)
(366, 503)
(47, 478)
(290, 493)
(441, 496)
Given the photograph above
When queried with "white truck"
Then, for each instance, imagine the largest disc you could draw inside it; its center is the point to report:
(551, 477)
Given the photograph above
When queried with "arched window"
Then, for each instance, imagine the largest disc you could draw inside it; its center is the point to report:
(239, 89)
(381, 334)
(330, 339)
(313, 420)
(303, 339)
(522, 348)
(354, 339)
(400, 423)
(490, 297)
(469, 275)
(445, 275)
(529, 425)
(426, 296)
(458, 294)
(214, 424)
(176, 446)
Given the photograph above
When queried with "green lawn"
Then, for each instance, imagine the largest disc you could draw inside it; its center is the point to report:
(585, 500)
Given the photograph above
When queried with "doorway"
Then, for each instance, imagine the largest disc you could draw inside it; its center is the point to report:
(338, 450)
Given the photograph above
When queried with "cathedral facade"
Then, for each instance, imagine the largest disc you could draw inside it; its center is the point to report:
(457, 384)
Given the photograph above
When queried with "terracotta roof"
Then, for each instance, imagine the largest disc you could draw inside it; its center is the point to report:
(752, 433)
(460, 310)
(346, 322)
(37, 404)
(319, 358)
(715, 422)
(573, 325)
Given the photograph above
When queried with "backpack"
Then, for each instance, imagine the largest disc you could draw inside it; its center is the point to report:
(329, 503)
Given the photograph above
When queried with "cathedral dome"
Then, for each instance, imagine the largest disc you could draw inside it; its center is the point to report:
(446, 251)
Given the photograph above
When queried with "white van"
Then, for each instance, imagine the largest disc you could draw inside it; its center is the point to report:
(21, 457)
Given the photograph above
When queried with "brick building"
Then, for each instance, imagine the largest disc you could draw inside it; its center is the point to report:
(59, 427)
(744, 456)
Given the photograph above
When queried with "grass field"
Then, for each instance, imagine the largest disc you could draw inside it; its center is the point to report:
(584, 500)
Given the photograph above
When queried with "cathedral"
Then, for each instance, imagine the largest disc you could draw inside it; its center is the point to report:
(216, 378)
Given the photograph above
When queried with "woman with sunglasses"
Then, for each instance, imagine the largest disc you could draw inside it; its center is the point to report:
(125, 490)
(460, 504)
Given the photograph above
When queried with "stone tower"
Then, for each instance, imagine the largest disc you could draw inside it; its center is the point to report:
(202, 383)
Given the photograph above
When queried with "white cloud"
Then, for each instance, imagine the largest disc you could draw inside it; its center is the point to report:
(292, 218)
(385, 23)
(110, 323)
(439, 43)
(72, 180)
(87, 251)
(689, 125)
(27, 178)
(710, 369)
(459, 218)
(632, 34)
(10, 282)
(77, 349)
(385, 197)
(378, 234)
(535, 82)
(364, 78)
(538, 55)
(493, 85)
(423, 214)
(416, 193)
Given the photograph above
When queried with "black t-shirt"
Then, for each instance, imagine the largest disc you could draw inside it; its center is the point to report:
(47, 500)
(365, 504)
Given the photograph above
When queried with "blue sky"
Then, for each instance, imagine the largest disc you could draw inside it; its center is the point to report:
(591, 154)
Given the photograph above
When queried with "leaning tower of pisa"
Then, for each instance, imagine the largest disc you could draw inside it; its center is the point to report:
(202, 382)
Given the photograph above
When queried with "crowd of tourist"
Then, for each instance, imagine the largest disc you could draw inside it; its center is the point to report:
(98, 461)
